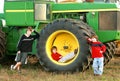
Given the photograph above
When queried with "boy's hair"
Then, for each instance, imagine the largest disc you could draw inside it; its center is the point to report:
(29, 28)
(54, 47)
(94, 36)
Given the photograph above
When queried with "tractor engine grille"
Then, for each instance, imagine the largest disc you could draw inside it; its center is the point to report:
(109, 20)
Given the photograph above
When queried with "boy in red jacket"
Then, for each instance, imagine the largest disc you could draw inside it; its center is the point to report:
(59, 58)
(97, 54)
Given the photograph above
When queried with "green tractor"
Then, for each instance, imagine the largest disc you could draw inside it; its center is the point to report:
(64, 25)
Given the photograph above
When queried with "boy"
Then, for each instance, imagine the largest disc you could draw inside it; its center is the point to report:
(24, 47)
(97, 54)
(59, 58)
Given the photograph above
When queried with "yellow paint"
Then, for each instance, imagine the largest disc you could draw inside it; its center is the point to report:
(19, 10)
(60, 39)
(65, 11)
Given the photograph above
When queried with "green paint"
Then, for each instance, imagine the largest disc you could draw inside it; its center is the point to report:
(17, 13)
(81, 6)
(21, 14)
(1, 17)
(92, 20)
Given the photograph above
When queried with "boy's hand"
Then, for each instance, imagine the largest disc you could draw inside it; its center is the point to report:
(33, 30)
(89, 39)
(60, 57)
(101, 51)
(18, 52)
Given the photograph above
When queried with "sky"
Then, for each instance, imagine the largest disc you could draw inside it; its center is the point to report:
(1, 6)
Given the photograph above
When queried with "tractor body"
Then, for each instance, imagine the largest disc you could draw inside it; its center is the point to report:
(102, 17)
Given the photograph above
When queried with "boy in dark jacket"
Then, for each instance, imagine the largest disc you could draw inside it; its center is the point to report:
(97, 54)
(24, 47)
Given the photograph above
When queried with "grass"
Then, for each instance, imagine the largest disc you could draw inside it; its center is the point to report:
(35, 73)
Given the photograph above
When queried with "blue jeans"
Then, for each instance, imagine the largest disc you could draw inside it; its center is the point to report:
(98, 65)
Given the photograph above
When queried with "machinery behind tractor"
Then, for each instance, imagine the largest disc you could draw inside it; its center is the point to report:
(64, 25)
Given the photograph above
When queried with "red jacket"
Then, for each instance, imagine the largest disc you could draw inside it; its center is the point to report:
(96, 47)
(56, 56)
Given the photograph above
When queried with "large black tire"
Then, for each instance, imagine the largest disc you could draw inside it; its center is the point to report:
(2, 44)
(110, 51)
(113, 47)
(80, 31)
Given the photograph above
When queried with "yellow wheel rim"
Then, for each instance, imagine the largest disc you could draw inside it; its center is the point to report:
(65, 42)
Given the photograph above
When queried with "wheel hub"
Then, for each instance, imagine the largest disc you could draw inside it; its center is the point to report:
(65, 42)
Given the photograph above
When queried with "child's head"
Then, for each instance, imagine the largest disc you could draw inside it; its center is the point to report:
(54, 49)
(29, 30)
(94, 38)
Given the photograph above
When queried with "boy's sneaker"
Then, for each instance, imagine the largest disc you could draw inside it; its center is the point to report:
(19, 71)
(12, 67)
(97, 75)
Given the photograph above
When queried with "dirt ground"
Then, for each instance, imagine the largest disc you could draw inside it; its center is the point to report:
(34, 72)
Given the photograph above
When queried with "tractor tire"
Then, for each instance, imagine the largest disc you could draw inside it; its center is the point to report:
(110, 51)
(66, 35)
(113, 46)
(2, 44)
(107, 56)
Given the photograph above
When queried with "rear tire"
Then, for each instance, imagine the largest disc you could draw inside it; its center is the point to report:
(77, 31)
(110, 51)
(2, 45)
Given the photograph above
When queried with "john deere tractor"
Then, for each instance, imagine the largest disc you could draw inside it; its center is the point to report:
(65, 25)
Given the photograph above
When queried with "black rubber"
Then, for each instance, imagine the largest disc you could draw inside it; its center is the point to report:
(2, 44)
(110, 51)
(113, 46)
(81, 30)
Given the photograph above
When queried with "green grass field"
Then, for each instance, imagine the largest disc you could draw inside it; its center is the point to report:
(36, 73)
